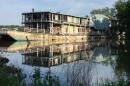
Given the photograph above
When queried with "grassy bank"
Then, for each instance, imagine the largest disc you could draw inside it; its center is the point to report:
(11, 76)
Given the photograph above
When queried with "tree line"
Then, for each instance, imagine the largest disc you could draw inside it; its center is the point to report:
(123, 15)
(10, 26)
(120, 12)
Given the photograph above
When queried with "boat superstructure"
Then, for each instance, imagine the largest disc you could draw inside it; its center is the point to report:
(50, 26)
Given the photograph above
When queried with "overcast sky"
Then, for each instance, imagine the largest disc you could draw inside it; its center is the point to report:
(10, 10)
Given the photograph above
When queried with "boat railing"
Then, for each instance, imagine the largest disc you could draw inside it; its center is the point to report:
(54, 31)
(32, 30)
(29, 30)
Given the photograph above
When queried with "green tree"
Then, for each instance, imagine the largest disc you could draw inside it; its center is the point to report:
(123, 15)
(110, 12)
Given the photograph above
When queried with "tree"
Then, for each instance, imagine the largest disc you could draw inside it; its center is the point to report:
(109, 12)
(123, 15)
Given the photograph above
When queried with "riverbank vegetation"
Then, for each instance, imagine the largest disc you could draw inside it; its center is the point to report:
(116, 83)
(119, 16)
(123, 16)
(12, 27)
(11, 76)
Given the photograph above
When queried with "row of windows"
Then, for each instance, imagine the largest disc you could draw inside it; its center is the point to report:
(56, 17)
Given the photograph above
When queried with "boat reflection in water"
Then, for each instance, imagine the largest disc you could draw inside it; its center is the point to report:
(73, 63)
(57, 54)
(39, 53)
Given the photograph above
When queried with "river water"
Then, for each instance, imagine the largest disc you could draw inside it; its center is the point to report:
(88, 63)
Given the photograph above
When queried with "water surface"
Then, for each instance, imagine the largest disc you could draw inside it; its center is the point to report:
(88, 63)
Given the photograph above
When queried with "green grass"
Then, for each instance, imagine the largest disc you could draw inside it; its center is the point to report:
(11, 76)
(115, 83)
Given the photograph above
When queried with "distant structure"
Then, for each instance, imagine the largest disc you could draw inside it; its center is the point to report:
(55, 23)
(100, 22)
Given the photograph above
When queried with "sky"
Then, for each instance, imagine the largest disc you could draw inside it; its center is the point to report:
(10, 10)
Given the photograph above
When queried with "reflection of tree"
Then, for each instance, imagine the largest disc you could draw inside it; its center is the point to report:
(123, 61)
(79, 73)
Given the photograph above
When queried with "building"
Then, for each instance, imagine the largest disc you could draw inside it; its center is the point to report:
(99, 24)
(54, 23)
(100, 21)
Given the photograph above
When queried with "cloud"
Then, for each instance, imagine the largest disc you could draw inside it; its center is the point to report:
(11, 9)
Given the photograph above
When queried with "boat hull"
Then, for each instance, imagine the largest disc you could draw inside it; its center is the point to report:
(25, 36)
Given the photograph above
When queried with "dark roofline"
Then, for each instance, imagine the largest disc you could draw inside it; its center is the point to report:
(53, 13)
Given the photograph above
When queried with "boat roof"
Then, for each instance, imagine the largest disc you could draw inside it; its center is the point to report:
(54, 13)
